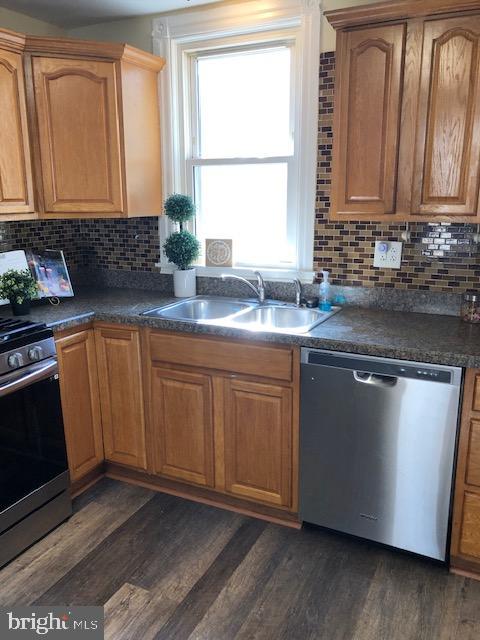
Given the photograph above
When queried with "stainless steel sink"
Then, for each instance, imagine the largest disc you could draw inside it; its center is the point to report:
(200, 309)
(279, 317)
(284, 319)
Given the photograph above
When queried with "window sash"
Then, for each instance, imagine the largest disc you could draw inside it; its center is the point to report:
(291, 222)
(192, 93)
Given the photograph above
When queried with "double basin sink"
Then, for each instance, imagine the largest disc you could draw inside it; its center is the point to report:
(270, 316)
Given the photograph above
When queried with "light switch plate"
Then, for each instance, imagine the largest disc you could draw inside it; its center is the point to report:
(388, 255)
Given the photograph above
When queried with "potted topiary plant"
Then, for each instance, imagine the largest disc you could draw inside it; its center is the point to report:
(182, 248)
(19, 288)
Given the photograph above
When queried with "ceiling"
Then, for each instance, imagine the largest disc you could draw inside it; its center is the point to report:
(78, 13)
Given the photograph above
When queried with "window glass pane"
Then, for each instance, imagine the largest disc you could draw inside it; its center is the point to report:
(244, 104)
(247, 203)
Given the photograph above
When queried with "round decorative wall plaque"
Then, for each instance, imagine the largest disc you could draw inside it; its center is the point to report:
(218, 253)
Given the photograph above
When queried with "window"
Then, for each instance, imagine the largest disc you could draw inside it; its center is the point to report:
(243, 133)
(242, 161)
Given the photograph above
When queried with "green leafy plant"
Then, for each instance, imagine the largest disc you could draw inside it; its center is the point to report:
(181, 247)
(179, 208)
(18, 286)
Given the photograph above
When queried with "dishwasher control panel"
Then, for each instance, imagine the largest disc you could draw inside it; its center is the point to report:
(379, 366)
(425, 374)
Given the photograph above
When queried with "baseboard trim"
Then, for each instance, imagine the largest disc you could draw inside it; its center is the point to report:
(199, 494)
(88, 480)
(465, 568)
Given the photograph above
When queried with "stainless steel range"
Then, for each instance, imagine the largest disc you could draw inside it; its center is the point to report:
(34, 478)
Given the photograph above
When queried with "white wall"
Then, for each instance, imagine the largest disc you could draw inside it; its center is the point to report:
(135, 31)
(25, 24)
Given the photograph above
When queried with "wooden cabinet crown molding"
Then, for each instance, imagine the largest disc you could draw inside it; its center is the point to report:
(45, 46)
(396, 10)
(12, 41)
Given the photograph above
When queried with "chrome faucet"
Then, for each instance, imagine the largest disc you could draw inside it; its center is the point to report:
(259, 290)
(298, 292)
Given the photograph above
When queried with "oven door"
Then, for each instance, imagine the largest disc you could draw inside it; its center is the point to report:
(32, 441)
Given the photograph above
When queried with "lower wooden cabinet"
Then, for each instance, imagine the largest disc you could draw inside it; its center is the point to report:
(465, 551)
(234, 434)
(182, 425)
(216, 425)
(258, 441)
(469, 543)
(80, 402)
(121, 394)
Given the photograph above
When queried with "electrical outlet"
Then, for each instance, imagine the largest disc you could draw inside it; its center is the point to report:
(388, 255)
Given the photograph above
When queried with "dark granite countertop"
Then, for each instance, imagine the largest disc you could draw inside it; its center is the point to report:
(411, 336)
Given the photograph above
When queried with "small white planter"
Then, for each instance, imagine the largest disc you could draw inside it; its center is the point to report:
(184, 283)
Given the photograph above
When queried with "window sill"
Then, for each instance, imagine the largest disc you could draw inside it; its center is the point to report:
(279, 275)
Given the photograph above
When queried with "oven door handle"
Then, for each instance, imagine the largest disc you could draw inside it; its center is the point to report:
(33, 374)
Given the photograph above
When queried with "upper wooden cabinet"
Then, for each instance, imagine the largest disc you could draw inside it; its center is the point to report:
(369, 72)
(78, 118)
(93, 127)
(407, 112)
(16, 186)
(447, 158)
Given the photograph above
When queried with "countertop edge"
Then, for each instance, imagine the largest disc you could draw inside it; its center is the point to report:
(360, 348)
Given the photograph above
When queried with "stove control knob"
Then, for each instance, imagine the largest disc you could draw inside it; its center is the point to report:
(15, 360)
(35, 353)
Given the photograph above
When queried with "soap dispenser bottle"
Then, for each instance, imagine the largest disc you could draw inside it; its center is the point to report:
(324, 291)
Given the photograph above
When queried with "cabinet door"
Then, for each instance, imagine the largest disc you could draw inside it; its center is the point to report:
(121, 395)
(80, 402)
(16, 194)
(469, 542)
(182, 425)
(78, 120)
(447, 161)
(367, 119)
(258, 441)
(465, 548)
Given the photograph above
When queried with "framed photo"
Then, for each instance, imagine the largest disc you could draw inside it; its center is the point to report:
(50, 271)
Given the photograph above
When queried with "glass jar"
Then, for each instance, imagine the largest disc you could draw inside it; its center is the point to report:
(471, 307)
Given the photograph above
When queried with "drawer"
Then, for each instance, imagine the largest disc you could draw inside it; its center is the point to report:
(473, 459)
(470, 531)
(249, 359)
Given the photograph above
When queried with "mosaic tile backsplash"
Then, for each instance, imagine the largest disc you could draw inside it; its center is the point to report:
(439, 258)
(45, 234)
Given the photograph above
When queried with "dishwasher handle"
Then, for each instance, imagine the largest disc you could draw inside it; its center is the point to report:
(374, 379)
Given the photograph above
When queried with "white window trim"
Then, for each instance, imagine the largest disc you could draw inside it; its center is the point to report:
(171, 36)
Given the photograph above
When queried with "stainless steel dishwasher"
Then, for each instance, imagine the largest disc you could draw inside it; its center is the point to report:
(377, 451)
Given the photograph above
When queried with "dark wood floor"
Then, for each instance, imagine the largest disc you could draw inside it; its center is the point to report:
(171, 569)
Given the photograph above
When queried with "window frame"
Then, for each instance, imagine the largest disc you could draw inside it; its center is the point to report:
(181, 37)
